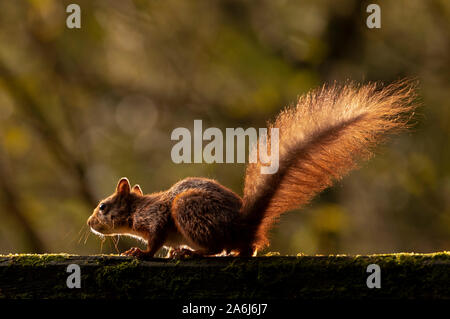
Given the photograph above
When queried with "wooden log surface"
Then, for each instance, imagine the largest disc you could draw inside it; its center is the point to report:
(410, 276)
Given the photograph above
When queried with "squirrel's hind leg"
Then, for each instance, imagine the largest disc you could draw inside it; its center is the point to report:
(246, 252)
(178, 253)
(204, 220)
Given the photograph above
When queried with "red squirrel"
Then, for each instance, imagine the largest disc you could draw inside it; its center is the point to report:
(325, 135)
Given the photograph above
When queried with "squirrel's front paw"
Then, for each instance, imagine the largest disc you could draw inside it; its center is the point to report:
(135, 252)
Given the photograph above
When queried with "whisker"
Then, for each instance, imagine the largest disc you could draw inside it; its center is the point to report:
(82, 227)
(116, 242)
(87, 236)
(67, 235)
(81, 234)
(101, 244)
(81, 237)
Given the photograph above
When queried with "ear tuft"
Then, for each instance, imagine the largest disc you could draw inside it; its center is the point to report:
(137, 190)
(123, 187)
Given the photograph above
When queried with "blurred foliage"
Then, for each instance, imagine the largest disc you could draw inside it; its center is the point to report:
(79, 108)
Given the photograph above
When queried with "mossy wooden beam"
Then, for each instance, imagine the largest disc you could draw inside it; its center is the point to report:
(263, 278)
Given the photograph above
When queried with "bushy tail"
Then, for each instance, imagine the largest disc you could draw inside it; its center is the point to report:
(321, 139)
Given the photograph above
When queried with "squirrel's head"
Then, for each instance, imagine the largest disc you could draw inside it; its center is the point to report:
(113, 215)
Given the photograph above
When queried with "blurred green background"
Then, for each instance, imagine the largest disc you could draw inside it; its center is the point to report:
(80, 108)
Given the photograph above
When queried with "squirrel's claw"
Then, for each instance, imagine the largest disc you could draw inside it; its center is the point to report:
(135, 252)
(181, 253)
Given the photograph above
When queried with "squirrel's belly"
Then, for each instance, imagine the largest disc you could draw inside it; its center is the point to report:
(177, 240)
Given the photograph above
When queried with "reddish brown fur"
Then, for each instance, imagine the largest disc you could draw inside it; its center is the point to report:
(321, 139)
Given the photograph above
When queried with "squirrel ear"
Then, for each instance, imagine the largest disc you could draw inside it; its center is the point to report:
(137, 190)
(123, 187)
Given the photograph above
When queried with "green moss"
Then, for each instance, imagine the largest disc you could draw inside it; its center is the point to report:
(111, 277)
(404, 275)
(36, 259)
(111, 271)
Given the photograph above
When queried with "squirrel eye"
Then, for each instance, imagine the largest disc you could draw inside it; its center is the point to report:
(102, 206)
